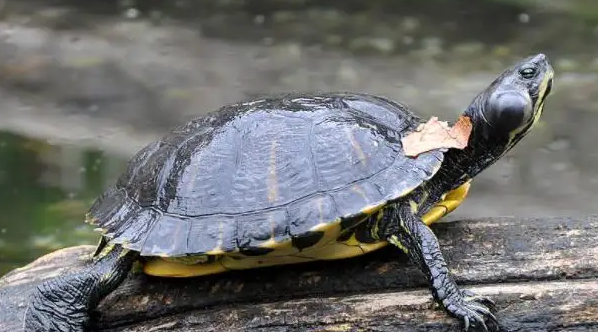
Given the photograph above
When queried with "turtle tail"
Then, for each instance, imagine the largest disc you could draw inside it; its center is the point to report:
(64, 303)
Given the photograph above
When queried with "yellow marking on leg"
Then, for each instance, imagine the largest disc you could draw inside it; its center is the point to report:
(107, 249)
(413, 206)
(395, 241)
(123, 253)
(424, 196)
(375, 230)
(272, 181)
(402, 225)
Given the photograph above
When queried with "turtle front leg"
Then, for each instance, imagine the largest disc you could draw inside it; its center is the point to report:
(409, 233)
(63, 304)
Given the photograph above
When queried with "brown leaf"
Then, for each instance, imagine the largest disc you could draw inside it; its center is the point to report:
(436, 134)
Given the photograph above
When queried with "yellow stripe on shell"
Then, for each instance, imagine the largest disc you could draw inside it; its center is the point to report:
(360, 154)
(272, 181)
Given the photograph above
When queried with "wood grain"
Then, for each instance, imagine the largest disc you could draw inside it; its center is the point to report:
(542, 273)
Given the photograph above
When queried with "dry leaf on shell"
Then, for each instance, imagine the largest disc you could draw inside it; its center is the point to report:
(436, 134)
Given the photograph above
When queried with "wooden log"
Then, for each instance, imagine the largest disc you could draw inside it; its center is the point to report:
(542, 273)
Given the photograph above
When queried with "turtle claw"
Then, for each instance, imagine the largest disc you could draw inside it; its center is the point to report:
(486, 301)
(472, 310)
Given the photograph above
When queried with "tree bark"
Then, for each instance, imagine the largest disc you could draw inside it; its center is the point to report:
(542, 274)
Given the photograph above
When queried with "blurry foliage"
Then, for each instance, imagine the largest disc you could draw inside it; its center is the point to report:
(427, 28)
(586, 9)
(582, 9)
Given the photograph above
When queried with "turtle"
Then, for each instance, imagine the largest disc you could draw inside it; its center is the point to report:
(293, 178)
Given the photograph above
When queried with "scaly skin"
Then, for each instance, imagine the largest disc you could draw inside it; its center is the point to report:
(410, 234)
(63, 304)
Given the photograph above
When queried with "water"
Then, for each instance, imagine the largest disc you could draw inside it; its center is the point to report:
(82, 88)
(45, 191)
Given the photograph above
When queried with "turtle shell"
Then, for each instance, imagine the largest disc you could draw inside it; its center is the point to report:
(254, 175)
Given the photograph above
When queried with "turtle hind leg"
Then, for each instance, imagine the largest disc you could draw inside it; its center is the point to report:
(64, 303)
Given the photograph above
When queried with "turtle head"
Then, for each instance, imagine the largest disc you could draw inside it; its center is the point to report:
(509, 108)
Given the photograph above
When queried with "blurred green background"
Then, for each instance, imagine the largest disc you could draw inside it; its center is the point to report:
(84, 85)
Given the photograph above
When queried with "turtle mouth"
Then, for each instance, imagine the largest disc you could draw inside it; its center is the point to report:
(548, 89)
(546, 92)
(540, 96)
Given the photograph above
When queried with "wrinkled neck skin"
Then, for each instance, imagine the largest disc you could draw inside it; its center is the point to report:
(486, 145)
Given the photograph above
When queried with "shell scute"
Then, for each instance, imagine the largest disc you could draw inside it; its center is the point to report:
(305, 214)
(359, 195)
(168, 237)
(135, 228)
(213, 233)
(259, 175)
(257, 228)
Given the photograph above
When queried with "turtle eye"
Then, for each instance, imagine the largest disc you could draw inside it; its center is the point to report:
(527, 73)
